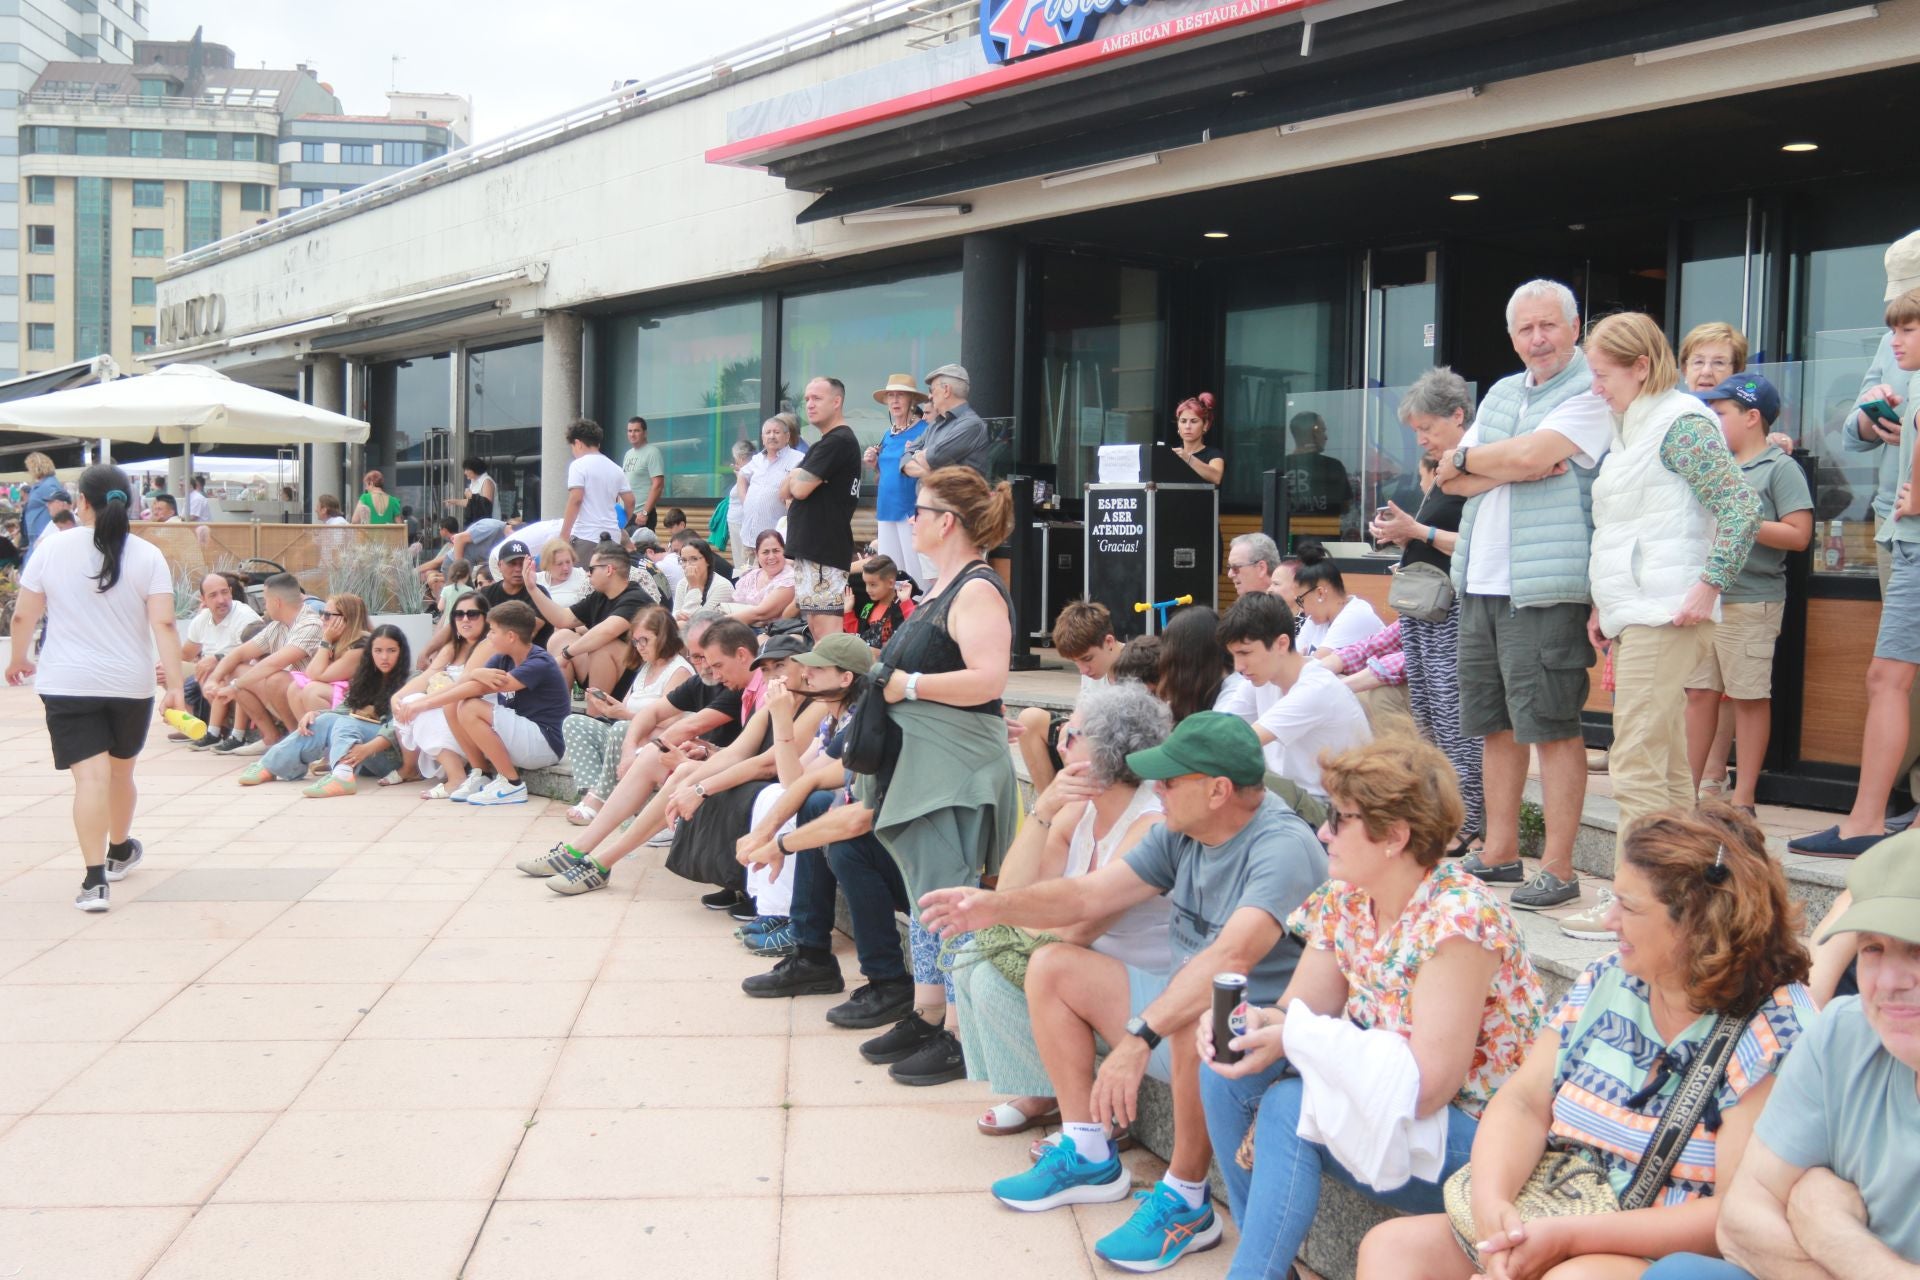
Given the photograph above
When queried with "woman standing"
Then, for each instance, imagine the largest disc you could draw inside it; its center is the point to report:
(1332, 619)
(1672, 523)
(108, 601)
(893, 505)
(595, 740)
(705, 584)
(35, 516)
(945, 806)
(1437, 407)
(764, 592)
(477, 502)
(756, 493)
(1193, 419)
(376, 505)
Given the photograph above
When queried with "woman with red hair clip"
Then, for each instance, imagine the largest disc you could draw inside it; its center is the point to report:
(1192, 420)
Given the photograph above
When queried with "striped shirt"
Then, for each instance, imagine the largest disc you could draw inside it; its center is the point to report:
(1609, 1050)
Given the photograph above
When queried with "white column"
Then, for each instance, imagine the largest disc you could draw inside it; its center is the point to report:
(560, 401)
(326, 389)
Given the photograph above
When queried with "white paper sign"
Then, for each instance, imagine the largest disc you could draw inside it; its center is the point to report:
(1119, 464)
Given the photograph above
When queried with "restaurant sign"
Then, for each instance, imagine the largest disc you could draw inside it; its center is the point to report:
(1013, 29)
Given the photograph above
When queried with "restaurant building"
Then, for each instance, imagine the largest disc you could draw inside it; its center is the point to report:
(1102, 207)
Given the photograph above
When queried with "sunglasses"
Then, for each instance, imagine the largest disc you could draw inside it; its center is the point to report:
(938, 511)
(1337, 818)
(468, 613)
(1070, 734)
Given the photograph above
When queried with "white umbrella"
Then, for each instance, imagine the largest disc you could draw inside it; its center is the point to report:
(182, 404)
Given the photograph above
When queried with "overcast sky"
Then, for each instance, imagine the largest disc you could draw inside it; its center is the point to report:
(519, 62)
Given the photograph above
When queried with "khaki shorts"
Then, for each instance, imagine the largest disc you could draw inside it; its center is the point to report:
(819, 588)
(1522, 670)
(1740, 663)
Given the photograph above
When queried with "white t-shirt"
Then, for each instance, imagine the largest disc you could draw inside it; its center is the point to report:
(669, 564)
(601, 481)
(1236, 697)
(220, 638)
(1318, 714)
(1354, 623)
(536, 535)
(197, 507)
(1587, 424)
(570, 592)
(335, 520)
(763, 509)
(99, 644)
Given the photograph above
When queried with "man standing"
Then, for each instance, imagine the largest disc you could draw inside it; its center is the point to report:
(956, 435)
(821, 494)
(197, 507)
(1526, 469)
(589, 640)
(1317, 482)
(595, 486)
(646, 471)
(211, 636)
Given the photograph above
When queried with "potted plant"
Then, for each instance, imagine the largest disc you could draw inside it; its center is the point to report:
(386, 580)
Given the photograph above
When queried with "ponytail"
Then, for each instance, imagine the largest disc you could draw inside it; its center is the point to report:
(106, 489)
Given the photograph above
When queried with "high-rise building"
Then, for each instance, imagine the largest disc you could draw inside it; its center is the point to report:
(124, 166)
(322, 156)
(33, 34)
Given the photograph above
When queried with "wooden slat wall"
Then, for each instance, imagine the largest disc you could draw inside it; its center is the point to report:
(1840, 638)
(698, 519)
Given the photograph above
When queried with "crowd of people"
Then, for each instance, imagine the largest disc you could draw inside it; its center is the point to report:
(1243, 870)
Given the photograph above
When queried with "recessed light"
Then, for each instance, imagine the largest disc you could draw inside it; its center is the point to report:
(1801, 146)
(1214, 235)
(1463, 197)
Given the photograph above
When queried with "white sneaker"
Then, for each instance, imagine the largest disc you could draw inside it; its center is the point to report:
(94, 899)
(1591, 924)
(499, 791)
(251, 747)
(469, 788)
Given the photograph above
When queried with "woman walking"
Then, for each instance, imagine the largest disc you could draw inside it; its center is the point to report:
(108, 601)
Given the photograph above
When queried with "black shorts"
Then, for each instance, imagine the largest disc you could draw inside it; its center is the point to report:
(81, 728)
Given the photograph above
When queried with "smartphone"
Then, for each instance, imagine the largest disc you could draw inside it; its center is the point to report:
(1880, 410)
(594, 693)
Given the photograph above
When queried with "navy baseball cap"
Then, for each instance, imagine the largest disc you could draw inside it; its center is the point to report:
(1749, 390)
(515, 550)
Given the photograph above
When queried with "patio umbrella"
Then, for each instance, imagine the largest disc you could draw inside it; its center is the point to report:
(182, 404)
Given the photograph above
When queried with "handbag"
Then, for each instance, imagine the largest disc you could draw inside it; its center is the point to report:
(872, 737)
(1422, 592)
(1563, 1185)
(1007, 948)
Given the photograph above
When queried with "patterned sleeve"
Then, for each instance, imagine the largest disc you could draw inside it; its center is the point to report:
(1378, 645)
(1696, 451)
(1470, 912)
(1315, 920)
(1566, 1014)
(1764, 1044)
(1391, 668)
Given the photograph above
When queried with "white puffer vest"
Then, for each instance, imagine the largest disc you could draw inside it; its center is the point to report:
(1650, 534)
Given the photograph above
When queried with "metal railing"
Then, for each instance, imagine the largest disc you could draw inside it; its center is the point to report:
(620, 101)
(139, 101)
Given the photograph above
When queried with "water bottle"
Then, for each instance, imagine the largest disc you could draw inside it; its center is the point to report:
(186, 722)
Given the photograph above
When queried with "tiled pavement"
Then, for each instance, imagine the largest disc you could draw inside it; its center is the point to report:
(345, 1038)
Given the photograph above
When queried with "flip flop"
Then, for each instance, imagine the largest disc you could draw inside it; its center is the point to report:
(396, 779)
(1004, 1120)
(438, 791)
(581, 816)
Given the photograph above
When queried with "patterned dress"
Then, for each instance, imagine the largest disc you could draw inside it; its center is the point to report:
(1381, 966)
(1609, 1053)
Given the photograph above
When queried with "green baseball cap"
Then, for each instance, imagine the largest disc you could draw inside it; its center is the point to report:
(847, 652)
(1208, 742)
(1885, 884)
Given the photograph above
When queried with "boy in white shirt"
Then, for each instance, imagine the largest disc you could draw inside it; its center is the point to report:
(596, 484)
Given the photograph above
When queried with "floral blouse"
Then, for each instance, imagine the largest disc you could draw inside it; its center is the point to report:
(1381, 966)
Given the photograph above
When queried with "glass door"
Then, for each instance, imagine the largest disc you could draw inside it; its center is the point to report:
(1402, 342)
(1102, 363)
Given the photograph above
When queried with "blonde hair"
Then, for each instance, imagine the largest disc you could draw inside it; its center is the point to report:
(984, 512)
(1904, 309)
(1715, 331)
(553, 548)
(353, 617)
(39, 466)
(1627, 337)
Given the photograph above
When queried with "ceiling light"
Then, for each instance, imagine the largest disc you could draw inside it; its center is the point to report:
(1071, 176)
(1463, 197)
(905, 213)
(1734, 40)
(1214, 235)
(1801, 146)
(1385, 109)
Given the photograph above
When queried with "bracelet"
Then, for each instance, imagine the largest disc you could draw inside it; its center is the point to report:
(1044, 822)
(1433, 531)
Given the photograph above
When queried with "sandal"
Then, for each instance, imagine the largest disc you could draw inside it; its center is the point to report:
(580, 815)
(1004, 1120)
(1469, 844)
(438, 791)
(396, 779)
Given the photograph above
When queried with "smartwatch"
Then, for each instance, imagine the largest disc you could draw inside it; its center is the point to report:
(1460, 461)
(1139, 1027)
(913, 687)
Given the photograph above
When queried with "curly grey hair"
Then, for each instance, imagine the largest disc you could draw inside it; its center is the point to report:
(1569, 305)
(1437, 393)
(1118, 720)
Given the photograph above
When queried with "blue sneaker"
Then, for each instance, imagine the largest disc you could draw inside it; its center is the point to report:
(759, 924)
(1161, 1231)
(777, 941)
(1063, 1176)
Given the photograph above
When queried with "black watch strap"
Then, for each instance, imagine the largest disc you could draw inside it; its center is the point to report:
(1139, 1027)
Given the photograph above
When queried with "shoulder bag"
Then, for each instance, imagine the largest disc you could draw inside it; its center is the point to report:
(872, 737)
(1421, 591)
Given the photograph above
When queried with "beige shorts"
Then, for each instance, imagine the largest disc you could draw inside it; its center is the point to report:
(819, 588)
(1740, 664)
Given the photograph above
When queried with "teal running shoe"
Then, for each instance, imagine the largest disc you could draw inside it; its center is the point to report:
(1063, 1176)
(777, 941)
(1161, 1231)
(757, 925)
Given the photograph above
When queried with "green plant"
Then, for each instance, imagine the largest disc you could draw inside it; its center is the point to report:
(186, 593)
(9, 595)
(1533, 828)
(381, 576)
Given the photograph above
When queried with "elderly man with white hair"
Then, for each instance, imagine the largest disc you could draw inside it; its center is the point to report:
(1252, 559)
(1526, 469)
(956, 436)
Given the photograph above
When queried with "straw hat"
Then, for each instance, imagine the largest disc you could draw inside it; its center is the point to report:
(1903, 265)
(900, 382)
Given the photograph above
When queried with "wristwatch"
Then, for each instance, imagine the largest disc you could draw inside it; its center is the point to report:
(913, 687)
(1139, 1027)
(700, 789)
(1460, 460)
(780, 843)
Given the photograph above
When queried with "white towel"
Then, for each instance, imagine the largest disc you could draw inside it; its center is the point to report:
(1361, 1088)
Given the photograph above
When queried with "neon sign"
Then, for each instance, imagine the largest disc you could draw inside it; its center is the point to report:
(1013, 29)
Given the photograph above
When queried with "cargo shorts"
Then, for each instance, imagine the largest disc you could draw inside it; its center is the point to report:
(1523, 670)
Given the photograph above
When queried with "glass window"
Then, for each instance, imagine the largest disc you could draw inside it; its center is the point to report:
(411, 400)
(39, 337)
(695, 376)
(1102, 358)
(149, 195)
(313, 152)
(145, 143)
(92, 266)
(142, 339)
(39, 288)
(403, 153)
(1713, 267)
(203, 213)
(311, 196)
(255, 198)
(861, 334)
(503, 419)
(356, 153)
(1286, 335)
(90, 142)
(153, 88)
(203, 146)
(39, 190)
(143, 291)
(149, 242)
(246, 146)
(39, 239)
(46, 140)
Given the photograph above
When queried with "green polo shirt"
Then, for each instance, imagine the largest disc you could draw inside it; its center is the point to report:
(1782, 488)
(642, 464)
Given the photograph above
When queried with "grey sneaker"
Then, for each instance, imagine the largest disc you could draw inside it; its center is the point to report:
(1492, 873)
(94, 899)
(117, 868)
(581, 877)
(253, 746)
(1591, 924)
(1545, 890)
(469, 787)
(554, 862)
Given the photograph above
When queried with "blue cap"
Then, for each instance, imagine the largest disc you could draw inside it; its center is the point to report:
(1748, 390)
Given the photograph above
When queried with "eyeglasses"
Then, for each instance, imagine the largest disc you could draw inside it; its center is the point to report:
(1070, 734)
(1336, 818)
(939, 511)
(1236, 568)
(468, 613)
(1717, 362)
(598, 565)
(1300, 600)
(328, 613)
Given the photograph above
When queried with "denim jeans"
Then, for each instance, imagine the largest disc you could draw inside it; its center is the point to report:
(196, 701)
(865, 872)
(1694, 1266)
(1275, 1204)
(334, 734)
